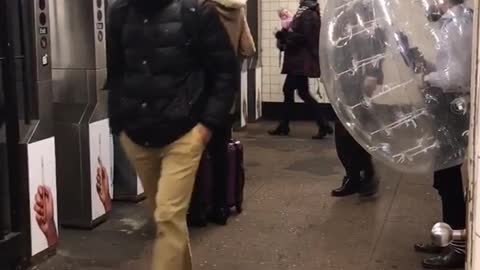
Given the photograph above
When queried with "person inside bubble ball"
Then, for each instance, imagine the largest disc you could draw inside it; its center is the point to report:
(449, 81)
(360, 174)
(299, 40)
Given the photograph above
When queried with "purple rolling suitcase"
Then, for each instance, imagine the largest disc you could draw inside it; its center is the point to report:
(201, 201)
(236, 176)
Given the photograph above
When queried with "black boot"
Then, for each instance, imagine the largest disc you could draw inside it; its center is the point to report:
(196, 221)
(428, 248)
(320, 135)
(451, 260)
(328, 129)
(323, 130)
(281, 130)
(368, 187)
(349, 187)
(219, 216)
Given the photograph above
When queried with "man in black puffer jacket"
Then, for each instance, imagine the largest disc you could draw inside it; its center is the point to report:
(170, 83)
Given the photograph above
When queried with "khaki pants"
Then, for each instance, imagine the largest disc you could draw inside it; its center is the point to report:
(168, 176)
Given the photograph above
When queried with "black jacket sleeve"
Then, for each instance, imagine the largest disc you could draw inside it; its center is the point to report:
(116, 15)
(2, 109)
(281, 37)
(115, 55)
(221, 67)
(311, 25)
(377, 45)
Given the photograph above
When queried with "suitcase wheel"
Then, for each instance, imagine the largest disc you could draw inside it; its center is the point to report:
(239, 208)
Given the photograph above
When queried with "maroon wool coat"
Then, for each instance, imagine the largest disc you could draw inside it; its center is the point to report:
(301, 43)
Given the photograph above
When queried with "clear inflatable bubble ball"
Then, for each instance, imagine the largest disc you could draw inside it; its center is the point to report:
(397, 73)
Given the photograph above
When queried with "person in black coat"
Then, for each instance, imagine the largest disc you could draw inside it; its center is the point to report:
(455, 36)
(172, 73)
(360, 174)
(301, 61)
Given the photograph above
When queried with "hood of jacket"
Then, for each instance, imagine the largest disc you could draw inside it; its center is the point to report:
(310, 4)
(307, 5)
(231, 3)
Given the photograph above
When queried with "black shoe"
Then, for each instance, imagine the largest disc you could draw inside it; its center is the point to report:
(320, 135)
(451, 260)
(368, 187)
(280, 131)
(428, 248)
(196, 221)
(349, 187)
(219, 216)
(329, 129)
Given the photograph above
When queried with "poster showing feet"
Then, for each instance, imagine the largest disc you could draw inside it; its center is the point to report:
(101, 168)
(43, 195)
(244, 98)
(258, 93)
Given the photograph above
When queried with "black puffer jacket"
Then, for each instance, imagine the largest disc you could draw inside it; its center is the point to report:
(161, 84)
(2, 109)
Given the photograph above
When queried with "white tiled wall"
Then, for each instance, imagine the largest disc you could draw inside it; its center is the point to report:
(272, 80)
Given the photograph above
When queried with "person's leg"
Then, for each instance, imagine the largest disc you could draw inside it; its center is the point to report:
(180, 161)
(147, 165)
(341, 145)
(449, 184)
(289, 87)
(344, 145)
(369, 181)
(453, 201)
(441, 186)
(304, 94)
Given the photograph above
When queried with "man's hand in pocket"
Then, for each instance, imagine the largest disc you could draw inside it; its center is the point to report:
(204, 132)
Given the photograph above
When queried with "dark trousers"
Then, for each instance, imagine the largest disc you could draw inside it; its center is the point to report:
(299, 83)
(449, 185)
(218, 149)
(354, 158)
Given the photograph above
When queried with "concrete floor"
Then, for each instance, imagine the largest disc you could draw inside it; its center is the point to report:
(290, 221)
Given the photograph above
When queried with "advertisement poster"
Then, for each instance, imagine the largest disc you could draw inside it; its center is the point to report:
(112, 161)
(43, 195)
(244, 98)
(101, 168)
(258, 93)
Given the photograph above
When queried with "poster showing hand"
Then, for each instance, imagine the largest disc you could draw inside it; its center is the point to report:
(44, 214)
(101, 162)
(43, 195)
(103, 186)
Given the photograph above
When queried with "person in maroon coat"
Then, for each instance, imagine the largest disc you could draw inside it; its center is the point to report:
(301, 61)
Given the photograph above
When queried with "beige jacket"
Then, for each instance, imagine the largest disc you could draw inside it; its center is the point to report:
(232, 15)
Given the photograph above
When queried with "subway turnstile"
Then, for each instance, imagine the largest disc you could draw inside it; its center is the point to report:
(84, 161)
(31, 198)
